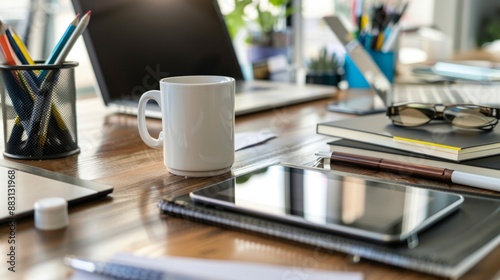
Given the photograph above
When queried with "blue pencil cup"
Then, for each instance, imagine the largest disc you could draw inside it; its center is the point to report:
(384, 60)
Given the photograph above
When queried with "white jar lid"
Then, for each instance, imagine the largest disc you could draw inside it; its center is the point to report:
(51, 213)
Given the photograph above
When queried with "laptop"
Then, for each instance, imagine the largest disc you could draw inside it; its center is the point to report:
(133, 44)
(457, 93)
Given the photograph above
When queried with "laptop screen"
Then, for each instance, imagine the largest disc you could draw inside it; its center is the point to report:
(133, 44)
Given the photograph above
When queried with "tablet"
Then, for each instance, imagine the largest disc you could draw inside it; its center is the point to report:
(323, 200)
(22, 185)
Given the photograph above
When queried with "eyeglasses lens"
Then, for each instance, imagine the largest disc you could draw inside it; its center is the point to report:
(468, 116)
(410, 116)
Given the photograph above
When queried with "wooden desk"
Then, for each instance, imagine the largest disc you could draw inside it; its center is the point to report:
(129, 220)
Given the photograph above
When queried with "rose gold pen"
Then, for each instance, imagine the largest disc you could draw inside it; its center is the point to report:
(428, 172)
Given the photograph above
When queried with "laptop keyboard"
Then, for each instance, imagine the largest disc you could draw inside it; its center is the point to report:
(483, 94)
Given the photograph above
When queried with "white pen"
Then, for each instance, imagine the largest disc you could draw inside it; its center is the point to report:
(428, 172)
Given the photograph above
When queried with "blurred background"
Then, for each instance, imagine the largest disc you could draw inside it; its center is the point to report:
(432, 30)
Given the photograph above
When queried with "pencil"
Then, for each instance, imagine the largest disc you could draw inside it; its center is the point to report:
(16, 50)
(63, 41)
(20, 101)
(23, 52)
(74, 36)
(40, 117)
(56, 52)
(15, 88)
(5, 45)
(22, 47)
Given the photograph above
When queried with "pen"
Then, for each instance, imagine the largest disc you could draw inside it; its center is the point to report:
(428, 172)
(391, 39)
(122, 271)
(397, 16)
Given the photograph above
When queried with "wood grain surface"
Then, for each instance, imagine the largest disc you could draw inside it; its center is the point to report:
(128, 220)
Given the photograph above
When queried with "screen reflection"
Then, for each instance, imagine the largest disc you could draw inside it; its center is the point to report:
(328, 199)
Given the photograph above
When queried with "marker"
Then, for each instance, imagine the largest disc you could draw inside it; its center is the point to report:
(424, 171)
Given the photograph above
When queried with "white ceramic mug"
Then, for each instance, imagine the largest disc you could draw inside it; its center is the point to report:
(197, 124)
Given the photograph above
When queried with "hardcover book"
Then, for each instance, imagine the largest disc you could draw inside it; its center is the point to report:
(436, 139)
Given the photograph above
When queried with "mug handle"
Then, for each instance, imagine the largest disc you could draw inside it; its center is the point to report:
(141, 119)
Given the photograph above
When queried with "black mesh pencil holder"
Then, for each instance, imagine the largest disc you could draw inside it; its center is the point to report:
(39, 110)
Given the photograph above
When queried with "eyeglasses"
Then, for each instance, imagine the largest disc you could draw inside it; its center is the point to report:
(461, 115)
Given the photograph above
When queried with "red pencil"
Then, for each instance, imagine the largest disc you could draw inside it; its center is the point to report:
(5, 46)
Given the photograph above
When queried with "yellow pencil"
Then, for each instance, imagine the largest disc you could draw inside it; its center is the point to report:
(22, 47)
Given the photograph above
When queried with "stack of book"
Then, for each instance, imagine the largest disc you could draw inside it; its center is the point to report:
(435, 144)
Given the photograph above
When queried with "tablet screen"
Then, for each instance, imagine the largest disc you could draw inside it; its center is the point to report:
(323, 200)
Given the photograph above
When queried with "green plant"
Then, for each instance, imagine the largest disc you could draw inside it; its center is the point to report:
(235, 20)
(490, 31)
(267, 19)
(324, 63)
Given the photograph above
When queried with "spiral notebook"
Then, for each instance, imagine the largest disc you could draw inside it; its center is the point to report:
(448, 249)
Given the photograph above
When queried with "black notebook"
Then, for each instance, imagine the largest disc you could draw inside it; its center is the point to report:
(447, 249)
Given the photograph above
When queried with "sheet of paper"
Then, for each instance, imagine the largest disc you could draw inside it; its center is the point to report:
(224, 270)
(247, 139)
